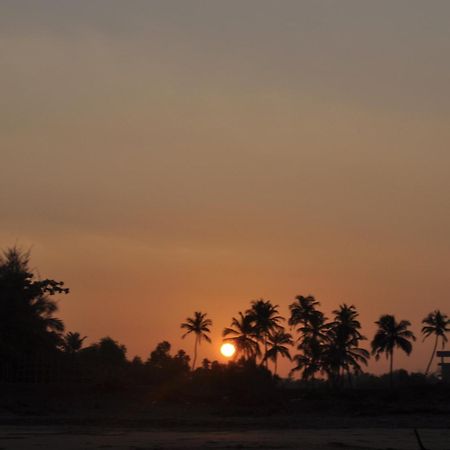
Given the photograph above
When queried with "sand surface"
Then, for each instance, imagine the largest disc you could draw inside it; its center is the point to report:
(66, 438)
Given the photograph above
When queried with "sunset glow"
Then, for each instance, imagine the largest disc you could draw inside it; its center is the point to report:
(228, 350)
(225, 223)
(199, 155)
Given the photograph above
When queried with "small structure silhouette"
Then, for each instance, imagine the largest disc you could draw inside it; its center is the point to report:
(445, 366)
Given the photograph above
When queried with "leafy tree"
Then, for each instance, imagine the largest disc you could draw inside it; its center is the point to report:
(162, 367)
(265, 321)
(104, 363)
(73, 342)
(342, 353)
(206, 364)
(160, 356)
(391, 334)
(199, 325)
(27, 323)
(181, 361)
(436, 324)
(137, 361)
(242, 334)
(106, 353)
(278, 343)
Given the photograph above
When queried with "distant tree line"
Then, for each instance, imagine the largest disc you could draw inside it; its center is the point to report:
(320, 348)
(328, 348)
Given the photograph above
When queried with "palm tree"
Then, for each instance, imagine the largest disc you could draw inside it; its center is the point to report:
(391, 334)
(73, 342)
(343, 353)
(198, 325)
(266, 320)
(302, 309)
(312, 343)
(313, 335)
(277, 344)
(346, 321)
(436, 324)
(243, 335)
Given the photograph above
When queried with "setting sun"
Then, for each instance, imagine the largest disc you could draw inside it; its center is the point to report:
(227, 350)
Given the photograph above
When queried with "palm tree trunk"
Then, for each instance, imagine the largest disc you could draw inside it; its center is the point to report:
(275, 368)
(265, 352)
(195, 352)
(350, 379)
(432, 355)
(391, 368)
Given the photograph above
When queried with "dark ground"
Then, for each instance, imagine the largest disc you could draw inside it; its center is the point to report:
(71, 417)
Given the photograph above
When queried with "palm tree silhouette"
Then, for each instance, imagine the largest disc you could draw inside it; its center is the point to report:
(436, 324)
(343, 353)
(243, 335)
(199, 325)
(391, 334)
(312, 344)
(277, 346)
(313, 335)
(302, 309)
(266, 320)
(346, 321)
(73, 342)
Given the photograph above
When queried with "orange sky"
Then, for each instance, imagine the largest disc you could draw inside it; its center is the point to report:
(168, 156)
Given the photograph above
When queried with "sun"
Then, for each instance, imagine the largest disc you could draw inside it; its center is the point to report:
(227, 350)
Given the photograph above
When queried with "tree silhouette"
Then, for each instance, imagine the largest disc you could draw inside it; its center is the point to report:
(391, 334)
(436, 324)
(277, 346)
(343, 354)
(302, 309)
(104, 361)
(27, 322)
(199, 325)
(312, 344)
(206, 364)
(73, 342)
(162, 367)
(159, 357)
(181, 361)
(243, 335)
(313, 336)
(265, 321)
(110, 352)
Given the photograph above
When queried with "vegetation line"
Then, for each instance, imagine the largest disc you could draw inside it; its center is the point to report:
(320, 348)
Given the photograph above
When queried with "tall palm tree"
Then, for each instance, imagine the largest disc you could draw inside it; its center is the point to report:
(391, 334)
(343, 353)
(73, 342)
(312, 328)
(302, 309)
(277, 346)
(199, 325)
(312, 344)
(436, 324)
(346, 321)
(266, 320)
(243, 335)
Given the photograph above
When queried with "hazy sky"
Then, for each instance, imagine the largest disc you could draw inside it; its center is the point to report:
(162, 157)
